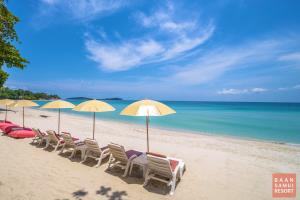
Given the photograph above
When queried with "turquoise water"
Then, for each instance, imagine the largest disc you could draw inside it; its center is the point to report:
(278, 122)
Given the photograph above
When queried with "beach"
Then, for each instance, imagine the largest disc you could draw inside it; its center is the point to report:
(217, 167)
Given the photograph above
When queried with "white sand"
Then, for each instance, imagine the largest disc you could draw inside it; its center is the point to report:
(217, 167)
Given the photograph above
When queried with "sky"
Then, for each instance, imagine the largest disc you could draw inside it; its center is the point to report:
(223, 50)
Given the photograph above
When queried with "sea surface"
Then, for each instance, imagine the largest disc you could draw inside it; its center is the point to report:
(277, 122)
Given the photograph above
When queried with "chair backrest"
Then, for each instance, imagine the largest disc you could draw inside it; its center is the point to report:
(52, 136)
(37, 132)
(92, 145)
(68, 139)
(159, 165)
(118, 152)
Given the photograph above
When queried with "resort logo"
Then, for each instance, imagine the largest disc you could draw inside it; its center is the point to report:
(283, 185)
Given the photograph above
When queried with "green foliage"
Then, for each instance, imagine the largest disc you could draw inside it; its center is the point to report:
(9, 55)
(6, 93)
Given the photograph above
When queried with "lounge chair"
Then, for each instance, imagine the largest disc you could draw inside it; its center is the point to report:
(40, 136)
(54, 140)
(164, 169)
(94, 151)
(121, 158)
(72, 145)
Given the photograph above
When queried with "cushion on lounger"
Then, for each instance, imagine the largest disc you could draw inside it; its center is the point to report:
(25, 133)
(132, 152)
(173, 164)
(156, 154)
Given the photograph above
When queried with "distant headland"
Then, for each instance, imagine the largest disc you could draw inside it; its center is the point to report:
(87, 98)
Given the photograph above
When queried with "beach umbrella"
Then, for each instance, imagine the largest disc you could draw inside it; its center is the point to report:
(6, 102)
(147, 108)
(58, 104)
(23, 104)
(94, 106)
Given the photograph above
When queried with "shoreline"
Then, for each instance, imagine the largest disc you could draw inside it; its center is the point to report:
(217, 167)
(178, 130)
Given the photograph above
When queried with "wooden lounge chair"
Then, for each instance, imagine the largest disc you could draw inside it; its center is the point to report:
(94, 151)
(72, 145)
(54, 140)
(167, 170)
(40, 136)
(121, 158)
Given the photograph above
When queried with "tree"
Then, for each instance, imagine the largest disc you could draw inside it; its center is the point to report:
(9, 55)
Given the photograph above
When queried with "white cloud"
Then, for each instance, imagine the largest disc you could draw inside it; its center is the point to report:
(295, 87)
(258, 90)
(213, 64)
(50, 2)
(174, 38)
(81, 9)
(233, 91)
(291, 57)
(124, 56)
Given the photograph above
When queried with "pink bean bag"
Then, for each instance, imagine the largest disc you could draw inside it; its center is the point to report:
(24, 133)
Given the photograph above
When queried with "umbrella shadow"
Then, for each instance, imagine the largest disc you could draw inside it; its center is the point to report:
(79, 194)
(111, 195)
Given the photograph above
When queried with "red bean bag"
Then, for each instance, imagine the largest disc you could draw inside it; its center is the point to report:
(10, 128)
(24, 133)
(5, 123)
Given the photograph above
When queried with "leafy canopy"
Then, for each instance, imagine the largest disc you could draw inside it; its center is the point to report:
(6, 93)
(9, 55)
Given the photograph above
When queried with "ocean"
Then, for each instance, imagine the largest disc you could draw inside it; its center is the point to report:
(277, 122)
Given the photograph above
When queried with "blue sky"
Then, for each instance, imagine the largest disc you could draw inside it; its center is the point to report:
(169, 50)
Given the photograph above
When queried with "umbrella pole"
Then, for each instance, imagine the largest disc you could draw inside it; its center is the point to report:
(5, 113)
(147, 127)
(58, 128)
(23, 117)
(94, 126)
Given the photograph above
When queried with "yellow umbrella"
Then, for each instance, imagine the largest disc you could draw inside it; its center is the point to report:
(6, 102)
(94, 106)
(147, 108)
(58, 104)
(23, 104)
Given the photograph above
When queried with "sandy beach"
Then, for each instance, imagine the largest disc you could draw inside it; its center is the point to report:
(217, 167)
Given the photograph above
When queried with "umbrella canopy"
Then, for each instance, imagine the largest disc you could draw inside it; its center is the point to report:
(58, 104)
(6, 102)
(94, 106)
(147, 108)
(23, 104)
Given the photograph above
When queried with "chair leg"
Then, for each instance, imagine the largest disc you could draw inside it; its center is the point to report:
(126, 169)
(62, 149)
(85, 157)
(109, 161)
(57, 146)
(173, 184)
(73, 153)
(146, 178)
(47, 144)
(131, 166)
(100, 160)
